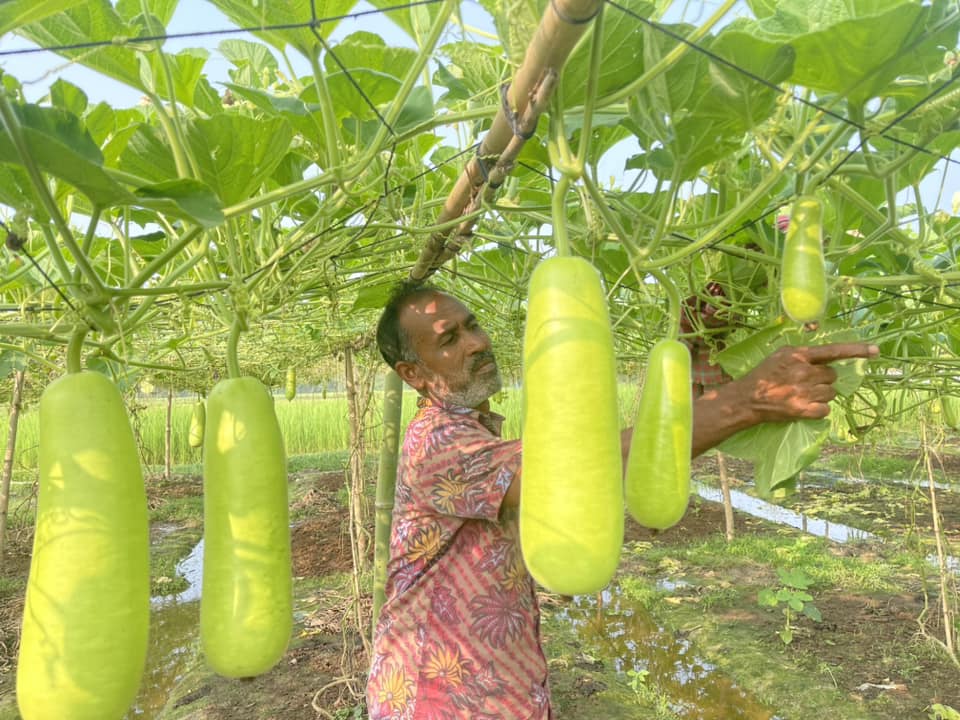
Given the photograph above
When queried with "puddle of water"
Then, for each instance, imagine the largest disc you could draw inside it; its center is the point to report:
(174, 634)
(837, 532)
(621, 632)
(172, 650)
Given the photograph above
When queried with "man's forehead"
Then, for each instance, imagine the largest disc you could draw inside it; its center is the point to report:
(434, 310)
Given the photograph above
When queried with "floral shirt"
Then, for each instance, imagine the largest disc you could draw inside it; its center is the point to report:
(458, 637)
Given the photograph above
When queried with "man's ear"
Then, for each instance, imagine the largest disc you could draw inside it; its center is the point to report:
(410, 373)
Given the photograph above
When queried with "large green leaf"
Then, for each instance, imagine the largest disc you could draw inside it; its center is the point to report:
(16, 13)
(186, 70)
(857, 48)
(162, 10)
(148, 156)
(251, 60)
(93, 20)
(185, 198)
(699, 110)
(778, 450)
(16, 192)
(368, 50)
(236, 154)
(68, 97)
(376, 87)
(622, 57)
(412, 20)
(60, 146)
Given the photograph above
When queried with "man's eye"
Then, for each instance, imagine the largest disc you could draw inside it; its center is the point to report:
(446, 339)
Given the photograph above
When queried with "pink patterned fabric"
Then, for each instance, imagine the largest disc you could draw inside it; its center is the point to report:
(459, 634)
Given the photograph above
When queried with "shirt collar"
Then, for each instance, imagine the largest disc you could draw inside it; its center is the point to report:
(490, 420)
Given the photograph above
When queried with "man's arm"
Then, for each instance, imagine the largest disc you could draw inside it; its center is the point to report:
(790, 384)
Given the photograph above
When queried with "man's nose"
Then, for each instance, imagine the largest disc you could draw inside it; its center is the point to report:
(479, 341)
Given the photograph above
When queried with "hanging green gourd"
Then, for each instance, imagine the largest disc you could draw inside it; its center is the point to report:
(83, 645)
(290, 385)
(657, 483)
(198, 418)
(951, 411)
(803, 280)
(246, 608)
(571, 504)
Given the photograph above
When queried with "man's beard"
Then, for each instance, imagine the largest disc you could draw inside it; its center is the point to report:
(475, 388)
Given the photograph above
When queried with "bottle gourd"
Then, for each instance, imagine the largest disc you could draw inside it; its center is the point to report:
(657, 484)
(571, 504)
(803, 280)
(85, 623)
(246, 608)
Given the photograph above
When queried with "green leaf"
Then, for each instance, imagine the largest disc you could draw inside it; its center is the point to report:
(60, 146)
(236, 154)
(858, 48)
(373, 296)
(10, 361)
(778, 450)
(377, 87)
(417, 110)
(456, 88)
(795, 578)
(365, 50)
(403, 16)
(248, 56)
(16, 13)
(622, 59)
(812, 612)
(795, 604)
(68, 97)
(738, 359)
(93, 20)
(767, 598)
(186, 70)
(185, 198)
(161, 9)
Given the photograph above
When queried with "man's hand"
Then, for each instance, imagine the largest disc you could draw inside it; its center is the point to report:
(797, 382)
(791, 383)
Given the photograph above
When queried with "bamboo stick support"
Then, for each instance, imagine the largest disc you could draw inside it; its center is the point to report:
(561, 27)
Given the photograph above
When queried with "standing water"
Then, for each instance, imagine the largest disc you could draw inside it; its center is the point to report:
(620, 631)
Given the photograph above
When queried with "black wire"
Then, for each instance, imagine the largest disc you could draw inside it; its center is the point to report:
(314, 23)
(204, 33)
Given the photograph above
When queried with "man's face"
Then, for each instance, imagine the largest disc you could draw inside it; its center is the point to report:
(455, 362)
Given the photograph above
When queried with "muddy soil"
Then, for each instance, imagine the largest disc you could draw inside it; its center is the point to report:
(322, 674)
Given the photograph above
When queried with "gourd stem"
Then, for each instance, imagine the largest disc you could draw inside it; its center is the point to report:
(673, 296)
(560, 236)
(233, 362)
(75, 349)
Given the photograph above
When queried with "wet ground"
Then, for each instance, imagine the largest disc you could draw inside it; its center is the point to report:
(675, 636)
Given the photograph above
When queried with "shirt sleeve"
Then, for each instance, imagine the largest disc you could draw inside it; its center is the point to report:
(465, 471)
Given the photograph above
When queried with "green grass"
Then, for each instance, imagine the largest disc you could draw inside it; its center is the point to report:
(809, 554)
(310, 424)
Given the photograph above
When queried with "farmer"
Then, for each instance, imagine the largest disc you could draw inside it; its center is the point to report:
(458, 636)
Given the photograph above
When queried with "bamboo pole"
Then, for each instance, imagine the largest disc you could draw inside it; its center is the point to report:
(168, 438)
(386, 485)
(561, 27)
(16, 404)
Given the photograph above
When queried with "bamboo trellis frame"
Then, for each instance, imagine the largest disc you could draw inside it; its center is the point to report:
(561, 27)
